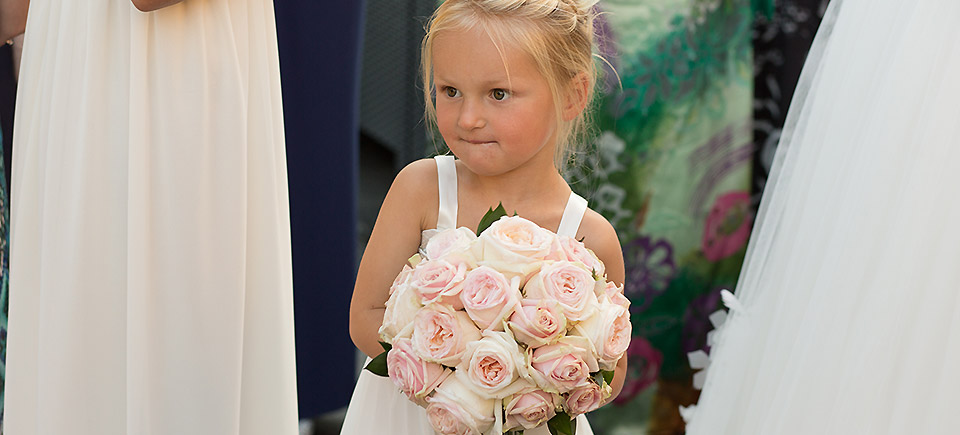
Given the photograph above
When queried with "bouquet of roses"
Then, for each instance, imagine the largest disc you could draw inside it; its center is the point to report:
(505, 331)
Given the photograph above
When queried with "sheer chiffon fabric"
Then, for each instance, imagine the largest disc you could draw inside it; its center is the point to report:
(151, 280)
(850, 293)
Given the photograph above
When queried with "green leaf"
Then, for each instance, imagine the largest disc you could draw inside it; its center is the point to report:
(386, 346)
(513, 432)
(562, 424)
(607, 376)
(597, 378)
(490, 217)
(378, 365)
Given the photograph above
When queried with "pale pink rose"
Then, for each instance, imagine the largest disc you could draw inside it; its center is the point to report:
(615, 294)
(530, 409)
(413, 376)
(609, 331)
(516, 246)
(439, 281)
(586, 398)
(455, 245)
(488, 297)
(455, 409)
(537, 322)
(441, 334)
(563, 366)
(493, 364)
(401, 307)
(572, 286)
(577, 251)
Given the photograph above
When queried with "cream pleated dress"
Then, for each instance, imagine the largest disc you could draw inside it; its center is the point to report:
(151, 282)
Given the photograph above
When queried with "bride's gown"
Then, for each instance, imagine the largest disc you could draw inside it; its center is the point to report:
(849, 320)
(377, 405)
(150, 286)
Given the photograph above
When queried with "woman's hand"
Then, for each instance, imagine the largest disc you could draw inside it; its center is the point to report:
(13, 18)
(152, 5)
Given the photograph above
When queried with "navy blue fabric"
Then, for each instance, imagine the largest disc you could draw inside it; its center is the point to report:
(320, 45)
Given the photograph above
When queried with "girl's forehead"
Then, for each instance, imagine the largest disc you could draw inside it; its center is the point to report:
(474, 52)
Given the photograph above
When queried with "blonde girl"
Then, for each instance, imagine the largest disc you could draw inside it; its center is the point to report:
(506, 83)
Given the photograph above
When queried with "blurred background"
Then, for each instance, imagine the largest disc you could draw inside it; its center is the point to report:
(683, 144)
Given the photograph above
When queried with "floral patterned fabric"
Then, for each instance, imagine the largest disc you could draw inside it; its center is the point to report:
(4, 263)
(781, 42)
(671, 170)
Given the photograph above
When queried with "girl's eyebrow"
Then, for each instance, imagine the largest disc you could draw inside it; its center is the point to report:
(489, 83)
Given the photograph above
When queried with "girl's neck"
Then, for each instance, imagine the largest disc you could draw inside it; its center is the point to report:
(521, 185)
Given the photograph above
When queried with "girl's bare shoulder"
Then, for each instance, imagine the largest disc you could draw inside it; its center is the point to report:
(415, 187)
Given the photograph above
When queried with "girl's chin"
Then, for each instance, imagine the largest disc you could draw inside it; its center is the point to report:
(481, 166)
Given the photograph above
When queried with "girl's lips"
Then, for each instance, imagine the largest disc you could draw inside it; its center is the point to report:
(477, 142)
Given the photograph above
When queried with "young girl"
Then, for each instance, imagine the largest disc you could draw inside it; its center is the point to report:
(506, 82)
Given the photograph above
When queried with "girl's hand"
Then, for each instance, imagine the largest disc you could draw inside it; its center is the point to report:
(13, 18)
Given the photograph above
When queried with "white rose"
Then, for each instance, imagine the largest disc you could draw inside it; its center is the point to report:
(516, 247)
(609, 332)
(455, 409)
(455, 245)
(401, 309)
(493, 365)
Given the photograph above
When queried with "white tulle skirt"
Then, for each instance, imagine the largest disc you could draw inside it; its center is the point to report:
(850, 317)
(377, 406)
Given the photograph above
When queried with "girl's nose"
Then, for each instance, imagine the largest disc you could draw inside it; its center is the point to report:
(471, 116)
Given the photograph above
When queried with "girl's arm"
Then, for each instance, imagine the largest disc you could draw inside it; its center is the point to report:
(152, 5)
(600, 237)
(395, 237)
(13, 18)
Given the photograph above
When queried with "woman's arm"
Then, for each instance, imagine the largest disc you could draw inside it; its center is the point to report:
(13, 18)
(599, 236)
(152, 5)
(395, 237)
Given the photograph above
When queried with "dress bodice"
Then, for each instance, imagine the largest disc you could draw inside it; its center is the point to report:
(447, 215)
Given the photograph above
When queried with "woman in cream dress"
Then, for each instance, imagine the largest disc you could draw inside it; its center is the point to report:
(151, 287)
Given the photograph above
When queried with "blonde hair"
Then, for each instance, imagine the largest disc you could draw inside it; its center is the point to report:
(557, 34)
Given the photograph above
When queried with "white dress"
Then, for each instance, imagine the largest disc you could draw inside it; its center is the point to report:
(150, 268)
(377, 405)
(849, 314)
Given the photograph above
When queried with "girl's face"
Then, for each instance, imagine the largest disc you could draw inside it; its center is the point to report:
(493, 123)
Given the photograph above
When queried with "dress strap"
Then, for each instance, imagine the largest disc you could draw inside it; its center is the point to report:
(572, 215)
(447, 184)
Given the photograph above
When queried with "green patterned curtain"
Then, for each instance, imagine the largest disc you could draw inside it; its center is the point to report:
(671, 169)
(4, 267)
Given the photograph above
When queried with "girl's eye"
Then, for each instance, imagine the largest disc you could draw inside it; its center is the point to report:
(499, 94)
(451, 92)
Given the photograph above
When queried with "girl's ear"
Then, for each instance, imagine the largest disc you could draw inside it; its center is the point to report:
(577, 97)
